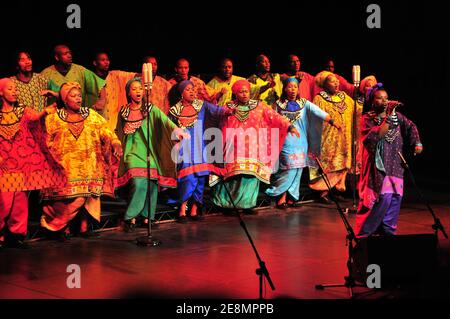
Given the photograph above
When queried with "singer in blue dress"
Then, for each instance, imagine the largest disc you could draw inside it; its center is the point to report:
(193, 167)
(297, 152)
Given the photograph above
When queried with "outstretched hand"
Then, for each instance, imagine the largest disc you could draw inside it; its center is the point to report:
(181, 134)
(418, 149)
(294, 131)
(117, 150)
(48, 93)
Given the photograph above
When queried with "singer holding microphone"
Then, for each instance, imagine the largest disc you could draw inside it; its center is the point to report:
(385, 132)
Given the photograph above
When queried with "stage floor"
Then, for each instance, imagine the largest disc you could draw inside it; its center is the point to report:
(211, 259)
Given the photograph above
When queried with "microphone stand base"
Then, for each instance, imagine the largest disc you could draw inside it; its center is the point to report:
(148, 241)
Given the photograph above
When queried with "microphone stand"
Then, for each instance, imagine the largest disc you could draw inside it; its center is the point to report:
(148, 241)
(262, 270)
(437, 226)
(354, 144)
(349, 281)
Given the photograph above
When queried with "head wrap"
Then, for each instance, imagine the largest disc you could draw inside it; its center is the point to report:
(290, 79)
(66, 88)
(183, 85)
(238, 85)
(321, 77)
(371, 92)
(128, 86)
(365, 80)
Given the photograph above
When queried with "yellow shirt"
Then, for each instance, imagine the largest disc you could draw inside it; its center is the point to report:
(218, 84)
(84, 154)
(271, 95)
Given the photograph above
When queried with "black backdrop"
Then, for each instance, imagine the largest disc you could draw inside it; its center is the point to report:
(409, 54)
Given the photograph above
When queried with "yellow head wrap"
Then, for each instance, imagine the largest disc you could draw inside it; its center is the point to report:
(65, 89)
(321, 77)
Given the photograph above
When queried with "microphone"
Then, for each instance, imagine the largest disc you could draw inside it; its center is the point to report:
(147, 74)
(356, 75)
(395, 103)
(392, 105)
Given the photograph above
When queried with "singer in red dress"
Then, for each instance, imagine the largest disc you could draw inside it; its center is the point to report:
(25, 163)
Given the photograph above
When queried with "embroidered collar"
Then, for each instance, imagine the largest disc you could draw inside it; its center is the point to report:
(242, 111)
(292, 116)
(338, 98)
(178, 108)
(18, 111)
(186, 121)
(282, 104)
(63, 115)
(125, 111)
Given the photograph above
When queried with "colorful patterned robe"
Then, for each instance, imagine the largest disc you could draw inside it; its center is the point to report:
(84, 150)
(23, 153)
(382, 171)
(30, 93)
(297, 152)
(251, 153)
(336, 148)
(134, 137)
(194, 165)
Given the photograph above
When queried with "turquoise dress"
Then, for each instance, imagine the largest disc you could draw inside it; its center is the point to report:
(297, 151)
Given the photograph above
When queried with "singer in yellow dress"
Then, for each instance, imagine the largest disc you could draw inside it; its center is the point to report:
(336, 146)
(80, 141)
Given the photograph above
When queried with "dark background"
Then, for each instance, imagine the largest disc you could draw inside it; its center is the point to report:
(409, 54)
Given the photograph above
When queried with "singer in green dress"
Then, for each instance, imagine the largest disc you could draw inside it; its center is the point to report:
(132, 125)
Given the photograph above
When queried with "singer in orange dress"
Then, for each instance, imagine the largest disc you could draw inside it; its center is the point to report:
(385, 134)
(336, 148)
(79, 140)
(24, 162)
